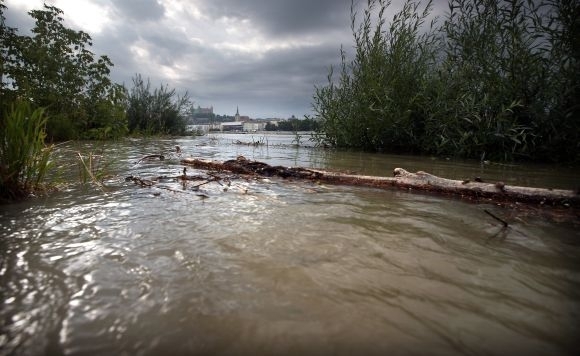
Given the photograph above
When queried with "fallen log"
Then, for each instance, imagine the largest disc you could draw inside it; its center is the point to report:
(421, 181)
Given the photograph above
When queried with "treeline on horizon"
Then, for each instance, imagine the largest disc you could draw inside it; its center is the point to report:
(490, 80)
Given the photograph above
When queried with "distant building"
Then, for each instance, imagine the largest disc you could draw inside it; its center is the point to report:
(254, 125)
(200, 116)
(232, 126)
(202, 128)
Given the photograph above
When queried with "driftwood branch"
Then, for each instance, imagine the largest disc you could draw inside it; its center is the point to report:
(420, 181)
(150, 157)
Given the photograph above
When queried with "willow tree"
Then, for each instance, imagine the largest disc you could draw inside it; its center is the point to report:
(497, 80)
(156, 111)
(500, 82)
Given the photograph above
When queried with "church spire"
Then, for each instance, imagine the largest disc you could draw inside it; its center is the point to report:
(237, 113)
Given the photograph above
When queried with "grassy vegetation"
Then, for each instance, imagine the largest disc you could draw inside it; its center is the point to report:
(24, 157)
(496, 80)
(93, 169)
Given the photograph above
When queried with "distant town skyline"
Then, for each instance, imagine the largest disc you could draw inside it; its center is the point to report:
(209, 110)
(263, 56)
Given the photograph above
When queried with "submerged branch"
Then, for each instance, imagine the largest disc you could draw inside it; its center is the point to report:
(505, 224)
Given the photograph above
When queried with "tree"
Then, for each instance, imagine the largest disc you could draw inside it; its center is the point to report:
(55, 69)
(7, 35)
(294, 124)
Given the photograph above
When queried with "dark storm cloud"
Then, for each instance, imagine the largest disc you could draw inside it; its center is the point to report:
(279, 84)
(281, 81)
(283, 17)
(264, 56)
(283, 70)
(139, 10)
(116, 45)
(168, 46)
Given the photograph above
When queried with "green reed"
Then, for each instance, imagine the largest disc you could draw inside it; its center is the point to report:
(24, 156)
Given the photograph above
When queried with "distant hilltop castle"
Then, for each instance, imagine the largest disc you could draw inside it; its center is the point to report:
(203, 111)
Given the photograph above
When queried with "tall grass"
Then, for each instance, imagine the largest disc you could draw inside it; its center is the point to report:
(24, 157)
(93, 168)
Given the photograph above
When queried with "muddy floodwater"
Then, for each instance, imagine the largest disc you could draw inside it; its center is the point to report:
(282, 267)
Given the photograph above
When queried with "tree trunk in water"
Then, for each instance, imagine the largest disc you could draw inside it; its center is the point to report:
(420, 181)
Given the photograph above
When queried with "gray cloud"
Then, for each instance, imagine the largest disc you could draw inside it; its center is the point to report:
(139, 10)
(282, 17)
(280, 84)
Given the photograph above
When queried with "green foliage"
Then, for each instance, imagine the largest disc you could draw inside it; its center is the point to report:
(55, 69)
(160, 111)
(108, 116)
(495, 76)
(499, 79)
(24, 158)
(378, 97)
(560, 127)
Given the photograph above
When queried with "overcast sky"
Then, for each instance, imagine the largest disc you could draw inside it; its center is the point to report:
(264, 56)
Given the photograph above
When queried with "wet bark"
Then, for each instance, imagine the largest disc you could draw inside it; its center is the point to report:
(497, 192)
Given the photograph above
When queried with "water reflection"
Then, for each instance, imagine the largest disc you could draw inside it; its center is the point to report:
(273, 266)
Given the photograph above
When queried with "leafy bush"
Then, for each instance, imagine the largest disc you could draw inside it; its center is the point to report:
(306, 124)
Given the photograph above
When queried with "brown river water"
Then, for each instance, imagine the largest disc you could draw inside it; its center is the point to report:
(283, 267)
